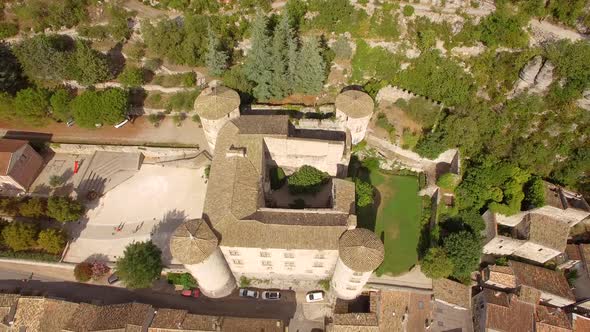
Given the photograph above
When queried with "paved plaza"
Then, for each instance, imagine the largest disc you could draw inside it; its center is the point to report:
(149, 205)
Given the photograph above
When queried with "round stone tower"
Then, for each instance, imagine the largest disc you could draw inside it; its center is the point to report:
(360, 252)
(196, 246)
(355, 109)
(216, 105)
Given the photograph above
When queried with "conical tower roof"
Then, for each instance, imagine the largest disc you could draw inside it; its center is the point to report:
(355, 104)
(361, 250)
(216, 101)
(193, 241)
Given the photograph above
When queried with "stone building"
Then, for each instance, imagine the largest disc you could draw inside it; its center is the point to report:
(19, 165)
(355, 108)
(216, 105)
(539, 234)
(246, 232)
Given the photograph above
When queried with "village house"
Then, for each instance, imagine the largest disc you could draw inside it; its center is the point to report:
(499, 311)
(452, 306)
(249, 230)
(539, 234)
(534, 282)
(19, 166)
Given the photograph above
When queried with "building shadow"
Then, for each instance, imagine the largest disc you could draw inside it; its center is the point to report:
(162, 232)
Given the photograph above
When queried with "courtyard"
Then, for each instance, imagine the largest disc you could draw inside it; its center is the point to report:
(395, 218)
(149, 205)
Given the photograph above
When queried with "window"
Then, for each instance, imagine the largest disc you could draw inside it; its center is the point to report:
(308, 271)
(318, 264)
(357, 274)
(320, 256)
(264, 254)
(289, 264)
(234, 253)
(355, 280)
(351, 288)
(266, 263)
(289, 255)
(238, 261)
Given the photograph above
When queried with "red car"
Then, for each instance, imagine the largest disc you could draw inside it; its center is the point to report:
(191, 292)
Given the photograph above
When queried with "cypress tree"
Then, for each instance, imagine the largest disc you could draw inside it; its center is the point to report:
(215, 59)
(258, 65)
(282, 42)
(310, 73)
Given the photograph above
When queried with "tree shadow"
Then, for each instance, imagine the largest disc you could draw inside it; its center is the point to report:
(97, 258)
(116, 60)
(162, 232)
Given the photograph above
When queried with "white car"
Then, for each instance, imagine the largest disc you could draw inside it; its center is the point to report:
(271, 295)
(244, 292)
(122, 123)
(315, 296)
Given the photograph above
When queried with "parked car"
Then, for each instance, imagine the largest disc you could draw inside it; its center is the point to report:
(113, 278)
(122, 123)
(70, 122)
(271, 295)
(244, 292)
(314, 296)
(191, 292)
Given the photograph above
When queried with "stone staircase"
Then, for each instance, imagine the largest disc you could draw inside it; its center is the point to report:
(106, 170)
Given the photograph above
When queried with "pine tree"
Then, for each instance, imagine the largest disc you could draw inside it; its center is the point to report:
(282, 42)
(216, 59)
(310, 73)
(258, 65)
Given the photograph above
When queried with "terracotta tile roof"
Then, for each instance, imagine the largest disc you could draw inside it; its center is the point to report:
(193, 241)
(361, 250)
(216, 102)
(545, 280)
(236, 324)
(7, 148)
(109, 317)
(506, 313)
(573, 252)
(552, 196)
(548, 231)
(529, 294)
(355, 104)
(452, 292)
(201, 322)
(168, 319)
(392, 309)
(581, 323)
(502, 275)
(29, 311)
(551, 320)
(263, 124)
(356, 319)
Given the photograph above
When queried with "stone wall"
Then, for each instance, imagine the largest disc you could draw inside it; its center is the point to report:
(152, 154)
(295, 152)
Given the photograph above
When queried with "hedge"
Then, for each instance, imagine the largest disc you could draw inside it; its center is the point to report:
(32, 256)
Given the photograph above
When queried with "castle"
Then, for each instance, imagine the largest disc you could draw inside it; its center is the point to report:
(246, 232)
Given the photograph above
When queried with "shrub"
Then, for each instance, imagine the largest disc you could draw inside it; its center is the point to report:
(325, 284)
(245, 282)
(64, 209)
(8, 29)
(184, 279)
(436, 264)
(277, 178)
(155, 119)
(196, 118)
(365, 193)
(31, 105)
(463, 250)
(105, 107)
(131, 76)
(51, 240)
(342, 48)
(307, 179)
(60, 105)
(33, 256)
(408, 10)
(56, 181)
(83, 271)
(33, 208)
(448, 181)
(99, 269)
(19, 236)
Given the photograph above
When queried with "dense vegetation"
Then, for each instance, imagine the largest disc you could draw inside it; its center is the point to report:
(307, 179)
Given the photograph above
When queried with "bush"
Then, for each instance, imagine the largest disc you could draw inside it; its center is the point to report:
(83, 271)
(19, 236)
(342, 48)
(184, 279)
(33, 208)
(104, 107)
(60, 105)
(277, 178)
(307, 179)
(408, 10)
(31, 105)
(448, 181)
(33, 256)
(325, 284)
(534, 193)
(51, 240)
(365, 193)
(245, 282)
(99, 270)
(155, 119)
(463, 250)
(436, 264)
(8, 29)
(131, 76)
(56, 181)
(140, 265)
(64, 209)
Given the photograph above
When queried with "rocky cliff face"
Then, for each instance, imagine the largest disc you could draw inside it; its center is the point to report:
(534, 77)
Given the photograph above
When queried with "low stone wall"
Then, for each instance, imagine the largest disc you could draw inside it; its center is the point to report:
(148, 152)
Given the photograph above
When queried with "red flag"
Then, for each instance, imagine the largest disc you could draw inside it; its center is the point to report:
(76, 167)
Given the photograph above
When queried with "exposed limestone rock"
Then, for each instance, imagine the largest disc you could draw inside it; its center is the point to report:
(530, 70)
(535, 76)
(544, 77)
(584, 102)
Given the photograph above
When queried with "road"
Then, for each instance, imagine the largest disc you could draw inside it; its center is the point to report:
(140, 132)
(232, 305)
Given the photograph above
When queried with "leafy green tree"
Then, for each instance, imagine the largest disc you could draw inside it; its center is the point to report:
(463, 250)
(42, 58)
(534, 191)
(216, 59)
(310, 74)
(307, 179)
(34, 207)
(426, 39)
(236, 79)
(408, 10)
(88, 66)
(51, 240)
(502, 28)
(11, 75)
(296, 10)
(365, 193)
(567, 12)
(7, 106)
(336, 15)
(436, 264)
(140, 265)
(107, 106)
(131, 76)
(64, 209)
(32, 105)
(258, 67)
(60, 104)
(19, 236)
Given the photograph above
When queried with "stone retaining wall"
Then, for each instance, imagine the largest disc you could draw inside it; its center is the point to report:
(148, 152)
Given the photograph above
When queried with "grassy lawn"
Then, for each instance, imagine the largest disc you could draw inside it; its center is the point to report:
(396, 219)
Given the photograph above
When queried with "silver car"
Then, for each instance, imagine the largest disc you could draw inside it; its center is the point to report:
(244, 292)
(271, 295)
